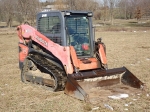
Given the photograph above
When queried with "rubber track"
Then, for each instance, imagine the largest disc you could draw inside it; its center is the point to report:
(52, 69)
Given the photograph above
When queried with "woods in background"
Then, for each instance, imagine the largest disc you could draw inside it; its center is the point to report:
(106, 10)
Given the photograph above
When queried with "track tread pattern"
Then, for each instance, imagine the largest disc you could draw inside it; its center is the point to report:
(52, 69)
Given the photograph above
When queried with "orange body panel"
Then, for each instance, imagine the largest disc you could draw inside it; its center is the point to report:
(23, 53)
(93, 65)
(102, 54)
(74, 57)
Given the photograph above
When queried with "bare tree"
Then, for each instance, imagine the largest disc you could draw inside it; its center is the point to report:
(22, 7)
(129, 8)
(7, 11)
(104, 10)
(71, 4)
(1, 16)
(27, 10)
(144, 8)
(20, 10)
(34, 8)
(123, 6)
(138, 13)
(111, 5)
(82, 5)
(107, 9)
(60, 5)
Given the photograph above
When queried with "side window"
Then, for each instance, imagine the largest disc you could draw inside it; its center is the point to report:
(49, 25)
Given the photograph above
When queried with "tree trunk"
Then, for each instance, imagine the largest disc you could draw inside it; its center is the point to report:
(111, 17)
(9, 23)
(111, 13)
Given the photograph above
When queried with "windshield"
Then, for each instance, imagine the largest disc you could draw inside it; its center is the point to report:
(78, 34)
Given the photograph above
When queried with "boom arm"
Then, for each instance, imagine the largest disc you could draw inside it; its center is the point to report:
(27, 33)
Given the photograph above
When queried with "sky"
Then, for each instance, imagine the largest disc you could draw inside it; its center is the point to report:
(42, 0)
(45, 0)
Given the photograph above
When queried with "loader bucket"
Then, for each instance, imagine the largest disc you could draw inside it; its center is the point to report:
(90, 84)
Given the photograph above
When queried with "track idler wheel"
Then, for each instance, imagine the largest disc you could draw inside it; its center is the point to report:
(29, 74)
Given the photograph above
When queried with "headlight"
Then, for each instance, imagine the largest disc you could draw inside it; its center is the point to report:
(67, 13)
(90, 14)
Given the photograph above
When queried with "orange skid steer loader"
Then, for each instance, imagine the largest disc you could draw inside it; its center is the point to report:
(62, 55)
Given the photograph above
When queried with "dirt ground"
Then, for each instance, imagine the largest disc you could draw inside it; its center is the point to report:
(124, 48)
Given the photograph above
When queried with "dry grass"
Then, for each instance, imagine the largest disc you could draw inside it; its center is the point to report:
(130, 49)
(123, 25)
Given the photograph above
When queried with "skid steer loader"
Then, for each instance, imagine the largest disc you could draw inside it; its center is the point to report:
(62, 54)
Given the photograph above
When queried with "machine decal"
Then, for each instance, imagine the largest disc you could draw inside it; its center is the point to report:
(45, 43)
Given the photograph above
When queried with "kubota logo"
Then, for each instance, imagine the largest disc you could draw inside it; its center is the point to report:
(42, 41)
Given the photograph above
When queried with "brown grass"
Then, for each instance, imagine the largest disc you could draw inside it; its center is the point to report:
(130, 49)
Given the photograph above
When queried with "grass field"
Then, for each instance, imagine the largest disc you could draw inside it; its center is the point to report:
(130, 48)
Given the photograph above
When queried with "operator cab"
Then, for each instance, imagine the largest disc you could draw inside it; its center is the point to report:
(68, 28)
